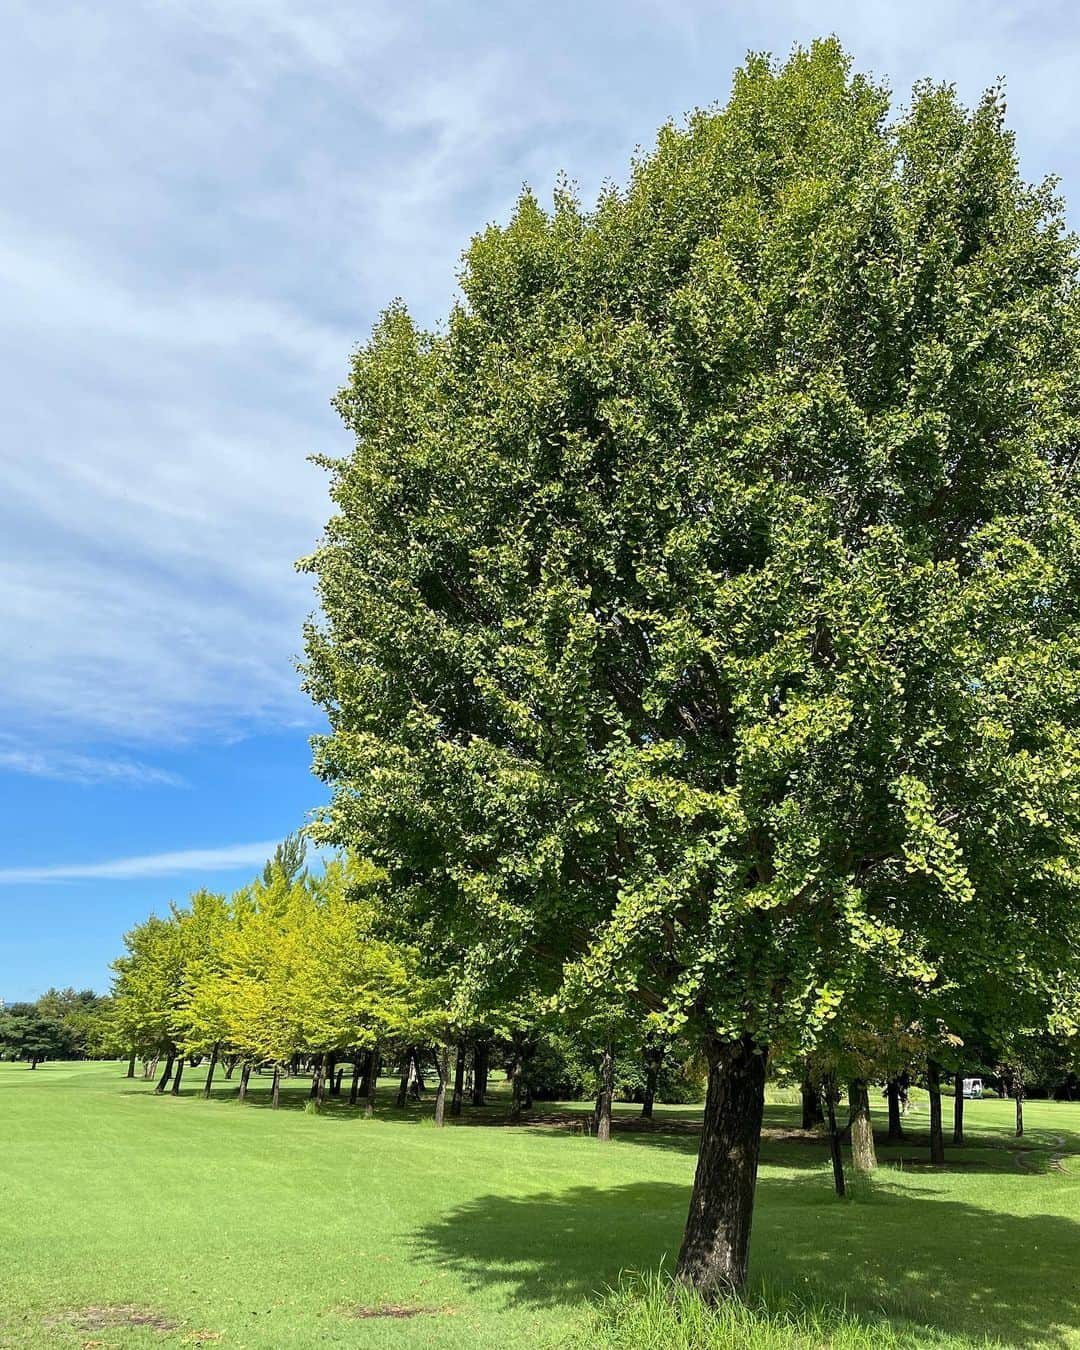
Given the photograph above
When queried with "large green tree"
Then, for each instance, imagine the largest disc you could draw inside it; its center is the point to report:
(701, 602)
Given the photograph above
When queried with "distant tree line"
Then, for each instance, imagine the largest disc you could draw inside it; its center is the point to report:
(61, 1024)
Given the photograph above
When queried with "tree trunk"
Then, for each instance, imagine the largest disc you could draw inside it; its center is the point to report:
(230, 1067)
(442, 1068)
(1018, 1088)
(131, 1065)
(937, 1138)
(354, 1086)
(602, 1115)
(459, 1079)
(653, 1062)
(828, 1092)
(275, 1091)
(332, 1077)
(516, 1070)
(863, 1157)
(403, 1086)
(210, 1071)
(892, 1096)
(372, 1082)
(33, 1061)
(149, 1067)
(175, 1089)
(958, 1109)
(716, 1244)
(480, 1073)
(163, 1081)
(245, 1075)
(811, 1101)
(320, 1081)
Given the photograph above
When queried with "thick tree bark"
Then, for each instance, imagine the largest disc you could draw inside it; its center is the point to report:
(163, 1081)
(828, 1092)
(811, 1101)
(275, 1091)
(131, 1065)
(937, 1138)
(480, 1073)
(459, 1079)
(177, 1076)
(863, 1156)
(320, 1081)
(210, 1071)
(958, 1108)
(602, 1114)
(654, 1059)
(716, 1244)
(245, 1075)
(892, 1097)
(442, 1068)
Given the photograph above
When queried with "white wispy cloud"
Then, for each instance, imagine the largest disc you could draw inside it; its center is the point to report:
(206, 210)
(231, 857)
(85, 769)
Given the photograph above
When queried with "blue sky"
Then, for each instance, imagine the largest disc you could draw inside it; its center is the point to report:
(204, 206)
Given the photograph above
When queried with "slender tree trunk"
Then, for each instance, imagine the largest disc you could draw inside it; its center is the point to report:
(131, 1065)
(607, 1091)
(892, 1096)
(210, 1071)
(828, 1092)
(320, 1081)
(811, 1100)
(653, 1062)
(275, 1090)
(354, 1087)
(163, 1081)
(149, 1067)
(459, 1079)
(230, 1067)
(175, 1089)
(716, 1244)
(937, 1138)
(1019, 1089)
(516, 1071)
(33, 1061)
(863, 1156)
(442, 1069)
(332, 1076)
(958, 1108)
(480, 1073)
(245, 1075)
(403, 1086)
(372, 1082)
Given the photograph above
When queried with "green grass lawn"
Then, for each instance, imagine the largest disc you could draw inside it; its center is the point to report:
(253, 1228)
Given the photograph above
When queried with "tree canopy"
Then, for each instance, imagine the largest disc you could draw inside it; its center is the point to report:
(700, 607)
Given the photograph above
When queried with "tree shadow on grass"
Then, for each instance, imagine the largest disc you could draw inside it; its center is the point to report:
(934, 1262)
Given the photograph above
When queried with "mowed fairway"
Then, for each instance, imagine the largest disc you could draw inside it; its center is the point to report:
(252, 1228)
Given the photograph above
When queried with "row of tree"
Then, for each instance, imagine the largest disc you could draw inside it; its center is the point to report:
(305, 970)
